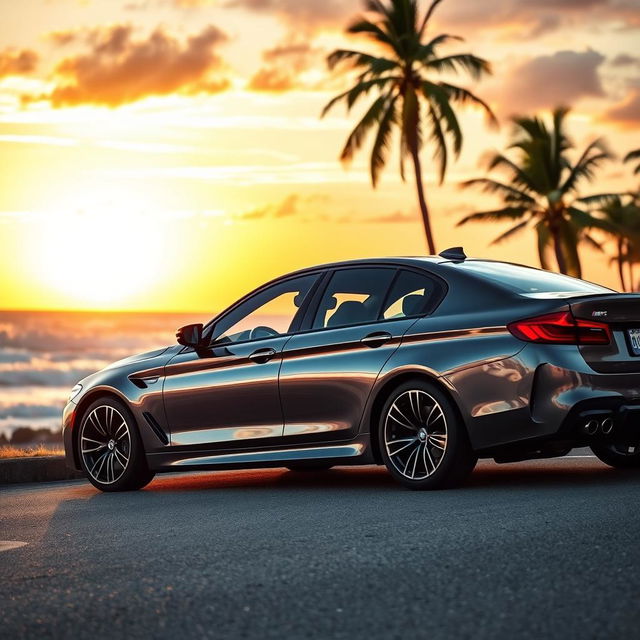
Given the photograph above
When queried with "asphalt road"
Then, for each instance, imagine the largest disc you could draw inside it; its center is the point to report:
(528, 550)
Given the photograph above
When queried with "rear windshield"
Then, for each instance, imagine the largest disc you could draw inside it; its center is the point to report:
(532, 282)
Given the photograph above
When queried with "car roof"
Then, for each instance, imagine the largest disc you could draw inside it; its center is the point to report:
(427, 262)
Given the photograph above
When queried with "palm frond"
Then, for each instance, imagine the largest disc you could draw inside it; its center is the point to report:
(518, 175)
(599, 199)
(439, 98)
(475, 66)
(352, 95)
(497, 215)
(357, 136)
(381, 144)
(427, 16)
(373, 31)
(510, 194)
(633, 155)
(427, 50)
(592, 242)
(464, 96)
(375, 65)
(584, 167)
(440, 152)
(509, 233)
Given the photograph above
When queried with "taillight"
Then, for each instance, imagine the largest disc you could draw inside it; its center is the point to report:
(561, 328)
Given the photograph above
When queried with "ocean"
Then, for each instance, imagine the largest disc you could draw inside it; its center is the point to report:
(44, 353)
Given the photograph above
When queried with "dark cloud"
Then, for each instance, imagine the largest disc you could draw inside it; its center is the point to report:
(551, 80)
(120, 68)
(625, 60)
(526, 18)
(14, 62)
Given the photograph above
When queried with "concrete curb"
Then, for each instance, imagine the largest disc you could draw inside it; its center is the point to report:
(36, 469)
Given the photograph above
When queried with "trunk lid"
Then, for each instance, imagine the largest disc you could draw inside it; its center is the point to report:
(622, 313)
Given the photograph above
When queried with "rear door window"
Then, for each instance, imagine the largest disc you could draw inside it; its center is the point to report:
(353, 296)
(411, 295)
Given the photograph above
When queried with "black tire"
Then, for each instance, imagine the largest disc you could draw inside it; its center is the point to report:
(107, 436)
(311, 466)
(617, 455)
(413, 437)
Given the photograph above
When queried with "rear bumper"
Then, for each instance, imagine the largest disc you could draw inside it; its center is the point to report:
(558, 393)
(538, 394)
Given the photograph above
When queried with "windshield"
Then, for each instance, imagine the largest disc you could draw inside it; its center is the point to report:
(527, 280)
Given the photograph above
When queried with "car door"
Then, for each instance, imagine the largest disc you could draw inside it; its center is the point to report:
(329, 368)
(227, 394)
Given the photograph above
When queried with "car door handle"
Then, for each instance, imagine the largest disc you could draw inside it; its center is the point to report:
(376, 339)
(262, 355)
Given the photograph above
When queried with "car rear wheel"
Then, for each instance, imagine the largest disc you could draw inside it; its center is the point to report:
(110, 448)
(620, 456)
(423, 442)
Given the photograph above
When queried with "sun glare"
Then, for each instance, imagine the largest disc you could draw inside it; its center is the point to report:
(100, 251)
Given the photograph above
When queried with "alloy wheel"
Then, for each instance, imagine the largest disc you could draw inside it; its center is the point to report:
(105, 444)
(415, 434)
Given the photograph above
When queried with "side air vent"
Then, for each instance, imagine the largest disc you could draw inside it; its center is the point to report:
(453, 253)
(156, 428)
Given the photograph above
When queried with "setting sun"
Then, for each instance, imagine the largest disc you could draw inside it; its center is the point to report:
(101, 250)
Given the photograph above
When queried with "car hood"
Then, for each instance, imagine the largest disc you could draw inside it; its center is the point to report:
(139, 357)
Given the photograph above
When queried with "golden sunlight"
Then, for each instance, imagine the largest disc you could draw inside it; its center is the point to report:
(101, 249)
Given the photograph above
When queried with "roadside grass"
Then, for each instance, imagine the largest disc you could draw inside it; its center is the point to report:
(7, 451)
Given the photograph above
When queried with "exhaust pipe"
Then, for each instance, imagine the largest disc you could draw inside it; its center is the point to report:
(591, 426)
(607, 426)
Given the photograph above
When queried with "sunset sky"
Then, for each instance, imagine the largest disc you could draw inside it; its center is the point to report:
(169, 155)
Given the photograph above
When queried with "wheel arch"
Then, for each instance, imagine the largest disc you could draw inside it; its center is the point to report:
(86, 400)
(387, 388)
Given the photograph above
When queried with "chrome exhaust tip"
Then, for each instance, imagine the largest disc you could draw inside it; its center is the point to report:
(590, 427)
(607, 426)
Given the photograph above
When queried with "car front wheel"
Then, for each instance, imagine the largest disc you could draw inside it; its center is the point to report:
(110, 448)
(423, 442)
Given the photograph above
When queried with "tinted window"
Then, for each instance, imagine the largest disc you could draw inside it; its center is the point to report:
(409, 296)
(268, 313)
(353, 296)
(528, 280)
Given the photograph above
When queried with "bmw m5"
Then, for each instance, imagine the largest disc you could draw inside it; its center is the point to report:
(423, 364)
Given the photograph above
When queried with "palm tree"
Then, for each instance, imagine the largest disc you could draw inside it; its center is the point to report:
(407, 95)
(623, 219)
(542, 190)
(631, 156)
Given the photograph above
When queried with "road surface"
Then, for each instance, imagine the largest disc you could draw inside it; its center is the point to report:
(529, 550)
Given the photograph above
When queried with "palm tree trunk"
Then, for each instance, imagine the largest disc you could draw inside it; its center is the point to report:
(557, 246)
(620, 260)
(421, 200)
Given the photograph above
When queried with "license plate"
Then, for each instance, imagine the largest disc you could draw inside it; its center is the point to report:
(634, 341)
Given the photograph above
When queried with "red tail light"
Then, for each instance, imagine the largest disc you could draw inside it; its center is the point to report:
(561, 328)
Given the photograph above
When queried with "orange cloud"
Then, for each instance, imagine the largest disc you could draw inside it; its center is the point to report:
(627, 113)
(119, 68)
(17, 62)
(283, 66)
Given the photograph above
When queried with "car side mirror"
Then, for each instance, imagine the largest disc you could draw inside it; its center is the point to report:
(190, 335)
